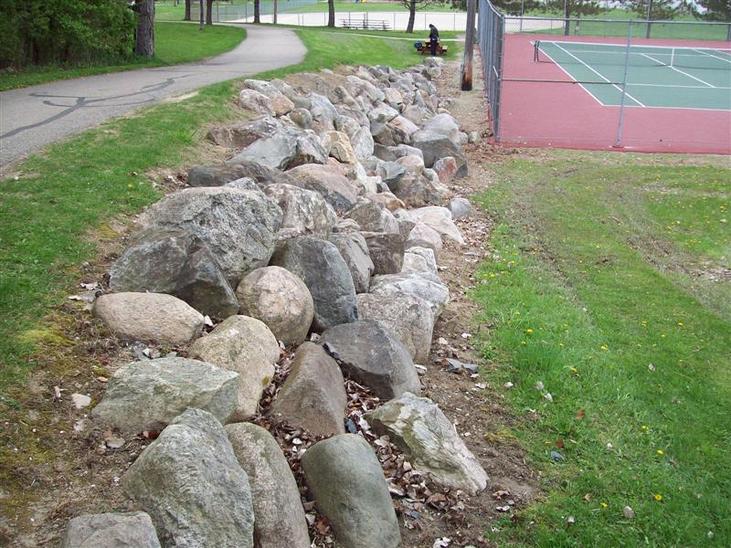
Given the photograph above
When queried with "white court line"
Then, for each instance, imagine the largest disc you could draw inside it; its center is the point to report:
(567, 73)
(679, 86)
(678, 70)
(600, 75)
(710, 55)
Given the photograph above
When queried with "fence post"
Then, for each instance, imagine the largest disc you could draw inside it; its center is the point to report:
(620, 123)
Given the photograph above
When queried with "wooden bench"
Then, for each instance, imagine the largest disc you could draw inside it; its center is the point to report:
(365, 24)
(425, 49)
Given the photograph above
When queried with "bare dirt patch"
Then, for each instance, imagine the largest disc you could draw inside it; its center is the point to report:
(57, 464)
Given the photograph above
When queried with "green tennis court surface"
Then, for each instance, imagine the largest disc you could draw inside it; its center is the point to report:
(657, 76)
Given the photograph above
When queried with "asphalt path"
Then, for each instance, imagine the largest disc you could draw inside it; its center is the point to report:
(33, 117)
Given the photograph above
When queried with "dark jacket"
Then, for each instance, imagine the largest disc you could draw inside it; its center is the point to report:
(434, 34)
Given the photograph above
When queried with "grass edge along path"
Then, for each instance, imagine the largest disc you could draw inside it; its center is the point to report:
(637, 369)
(176, 43)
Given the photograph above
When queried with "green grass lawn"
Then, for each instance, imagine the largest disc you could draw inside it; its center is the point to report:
(174, 43)
(602, 290)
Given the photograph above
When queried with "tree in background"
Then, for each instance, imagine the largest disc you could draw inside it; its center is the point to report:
(209, 12)
(716, 10)
(574, 9)
(145, 35)
(412, 6)
(654, 10)
(39, 32)
(186, 17)
(257, 11)
(516, 7)
(331, 13)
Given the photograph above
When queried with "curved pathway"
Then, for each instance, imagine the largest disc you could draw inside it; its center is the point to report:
(33, 117)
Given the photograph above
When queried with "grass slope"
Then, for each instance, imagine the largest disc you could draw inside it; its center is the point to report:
(175, 43)
(596, 293)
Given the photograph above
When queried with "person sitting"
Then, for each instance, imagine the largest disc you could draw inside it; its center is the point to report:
(433, 39)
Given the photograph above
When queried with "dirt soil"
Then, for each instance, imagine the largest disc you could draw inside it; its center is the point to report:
(58, 464)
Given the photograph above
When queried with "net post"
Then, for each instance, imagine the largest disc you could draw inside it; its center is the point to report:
(620, 122)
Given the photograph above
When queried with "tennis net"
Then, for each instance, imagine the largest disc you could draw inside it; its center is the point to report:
(597, 53)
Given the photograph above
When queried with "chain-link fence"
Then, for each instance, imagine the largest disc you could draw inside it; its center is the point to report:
(491, 28)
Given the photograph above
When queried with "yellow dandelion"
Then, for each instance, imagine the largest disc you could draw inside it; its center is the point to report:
(529, 331)
(573, 370)
(680, 324)
(660, 452)
(603, 505)
(658, 497)
(604, 347)
(645, 428)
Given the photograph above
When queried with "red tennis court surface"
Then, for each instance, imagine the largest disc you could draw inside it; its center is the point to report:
(563, 115)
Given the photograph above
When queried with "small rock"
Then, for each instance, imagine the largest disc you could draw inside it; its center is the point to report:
(456, 366)
(508, 385)
(80, 400)
(114, 442)
(570, 520)
(556, 456)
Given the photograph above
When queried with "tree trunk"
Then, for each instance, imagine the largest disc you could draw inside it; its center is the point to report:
(274, 10)
(469, 46)
(209, 12)
(202, 14)
(412, 16)
(566, 15)
(145, 39)
(330, 13)
(186, 17)
(257, 12)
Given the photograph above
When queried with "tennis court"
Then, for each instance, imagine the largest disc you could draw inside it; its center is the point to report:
(656, 76)
(567, 91)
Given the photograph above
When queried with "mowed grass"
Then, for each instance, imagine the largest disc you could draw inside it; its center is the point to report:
(175, 43)
(601, 292)
(73, 190)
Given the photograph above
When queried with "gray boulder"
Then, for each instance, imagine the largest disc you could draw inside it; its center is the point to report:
(149, 317)
(410, 319)
(313, 396)
(279, 299)
(419, 259)
(285, 148)
(112, 530)
(337, 145)
(239, 227)
(241, 135)
(371, 354)
(444, 124)
(435, 146)
(440, 219)
(303, 211)
(347, 482)
(175, 262)
(301, 117)
(323, 113)
(354, 250)
(427, 436)
(373, 217)
(386, 251)
(362, 142)
(220, 175)
(319, 264)
(246, 346)
(422, 235)
(147, 395)
(191, 484)
(418, 284)
(279, 519)
(256, 102)
(334, 187)
(460, 208)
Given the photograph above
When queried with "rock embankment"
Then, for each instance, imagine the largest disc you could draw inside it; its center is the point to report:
(318, 240)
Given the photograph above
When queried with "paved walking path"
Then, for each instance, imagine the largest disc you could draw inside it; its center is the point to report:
(33, 117)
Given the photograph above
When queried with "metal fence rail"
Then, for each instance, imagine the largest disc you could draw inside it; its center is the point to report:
(491, 28)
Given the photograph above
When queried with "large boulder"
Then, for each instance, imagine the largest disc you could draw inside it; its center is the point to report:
(446, 169)
(372, 355)
(373, 217)
(287, 147)
(148, 394)
(429, 438)
(279, 519)
(191, 484)
(410, 319)
(241, 135)
(220, 175)
(440, 219)
(420, 259)
(239, 227)
(319, 264)
(246, 346)
(354, 250)
(347, 482)
(339, 147)
(305, 212)
(362, 142)
(386, 251)
(279, 299)
(255, 102)
(445, 124)
(419, 284)
(176, 262)
(313, 396)
(149, 317)
(112, 530)
(334, 187)
(418, 187)
(422, 235)
(435, 146)
(460, 208)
